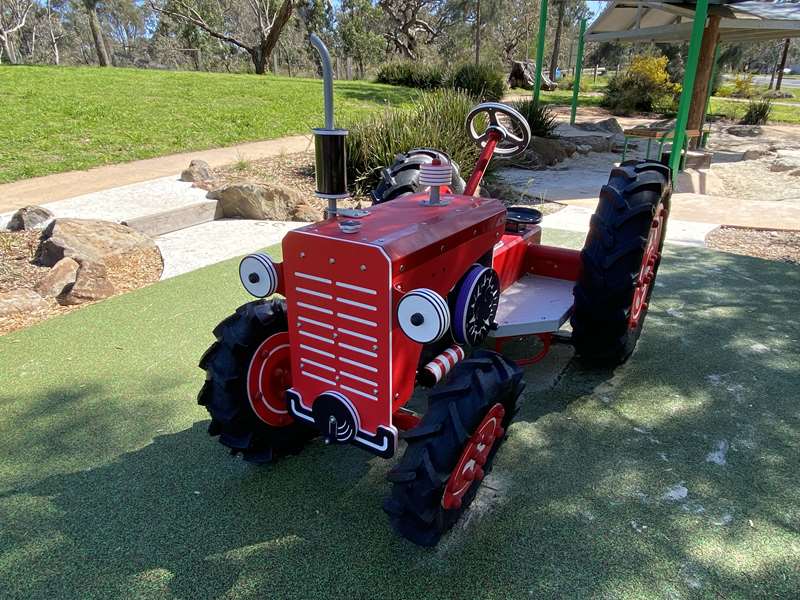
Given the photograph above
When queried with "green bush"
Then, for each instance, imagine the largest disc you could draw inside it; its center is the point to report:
(758, 112)
(436, 121)
(541, 118)
(644, 87)
(743, 86)
(482, 82)
(412, 74)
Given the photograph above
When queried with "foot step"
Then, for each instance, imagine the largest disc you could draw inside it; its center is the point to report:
(176, 218)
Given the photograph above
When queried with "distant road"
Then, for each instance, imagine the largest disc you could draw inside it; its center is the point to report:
(787, 81)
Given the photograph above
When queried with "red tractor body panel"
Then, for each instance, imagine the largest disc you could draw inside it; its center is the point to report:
(342, 291)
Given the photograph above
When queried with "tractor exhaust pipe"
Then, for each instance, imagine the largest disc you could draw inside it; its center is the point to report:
(329, 142)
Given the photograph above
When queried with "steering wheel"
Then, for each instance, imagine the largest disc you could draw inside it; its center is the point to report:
(515, 132)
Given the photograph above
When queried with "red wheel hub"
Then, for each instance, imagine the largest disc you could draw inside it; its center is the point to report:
(268, 378)
(469, 468)
(647, 273)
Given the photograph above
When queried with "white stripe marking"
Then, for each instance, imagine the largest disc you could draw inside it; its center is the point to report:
(368, 338)
(318, 378)
(358, 364)
(357, 288)
(359, 350)
(435, 370)
(356, 304)
(318, 351)
(315, 322)
(356, 319)
(316, 364)
(316, 337)
(314, 293)
(357, 378)
(317, 308)
(312, 277)
(355, 391)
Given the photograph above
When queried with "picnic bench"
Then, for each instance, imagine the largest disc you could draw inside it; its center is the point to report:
(663, 136)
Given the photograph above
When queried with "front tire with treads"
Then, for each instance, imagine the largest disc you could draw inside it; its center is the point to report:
(224, 393)
(415, 506)
(614, 289)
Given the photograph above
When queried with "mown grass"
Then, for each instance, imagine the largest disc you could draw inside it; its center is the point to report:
(56, 119)
(736, 110)
(110, 487)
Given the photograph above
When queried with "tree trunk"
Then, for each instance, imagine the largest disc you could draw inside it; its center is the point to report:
(260, 59)
(8, 51)
(97, 33)
(705, 66)
(557, 41)
(783, 64)
(478, 32)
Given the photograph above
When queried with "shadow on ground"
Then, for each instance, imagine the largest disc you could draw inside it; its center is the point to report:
(674, 476)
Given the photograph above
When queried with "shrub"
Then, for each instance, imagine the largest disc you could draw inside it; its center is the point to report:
(541, 118)
(758, 112)
(644, 87)
(743, 86)
(412, 74)
(436, 121)
(566, 83)
(482, 82)
(724, 91)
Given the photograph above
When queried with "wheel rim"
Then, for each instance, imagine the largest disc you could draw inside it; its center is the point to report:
(647, 272)
(469, 468)
(268, 378)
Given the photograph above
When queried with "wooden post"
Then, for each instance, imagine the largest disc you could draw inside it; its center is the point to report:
(783, 64)
(705, 66)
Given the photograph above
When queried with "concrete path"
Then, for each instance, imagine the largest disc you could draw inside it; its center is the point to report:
(576, 218)
(46, 189)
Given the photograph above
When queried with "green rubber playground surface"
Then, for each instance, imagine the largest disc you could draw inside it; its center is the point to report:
(675, 476)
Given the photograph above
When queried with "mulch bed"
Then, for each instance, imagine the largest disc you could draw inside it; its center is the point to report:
(17, 249)
(783, 246)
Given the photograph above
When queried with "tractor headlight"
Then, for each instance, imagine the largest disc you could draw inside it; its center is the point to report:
(423, 315)
(259, 275)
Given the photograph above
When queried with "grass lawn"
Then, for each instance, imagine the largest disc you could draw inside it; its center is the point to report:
(58, 119)
(675, 476)
(736, 110)
(563, 97)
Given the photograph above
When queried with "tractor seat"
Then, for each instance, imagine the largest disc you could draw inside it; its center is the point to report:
(519, 218)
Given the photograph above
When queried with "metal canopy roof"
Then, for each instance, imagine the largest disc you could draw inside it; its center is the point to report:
(750, 20)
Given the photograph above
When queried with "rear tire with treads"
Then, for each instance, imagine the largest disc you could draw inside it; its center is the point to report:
(402, 177)
(436, 444)
(603, 331)
(224, 393)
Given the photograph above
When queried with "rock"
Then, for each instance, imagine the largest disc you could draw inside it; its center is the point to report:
(249, 200)
(88, 239)
(583, 148)
(777, 94)
(91, 283)
(21, 300)
(754, 154)
(795, 173)
(549, 150)
(307, 212)
(569, 147)
(611, 125)
(523, 75)
(745, 130)
(198, 171)
(60, 276)
(29, 217)
(784, 164)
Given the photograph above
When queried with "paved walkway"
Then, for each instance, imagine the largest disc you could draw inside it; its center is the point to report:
(41, 190)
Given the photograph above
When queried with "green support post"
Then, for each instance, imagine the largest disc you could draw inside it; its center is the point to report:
(698, 26)
(540, 51)
(578, 68)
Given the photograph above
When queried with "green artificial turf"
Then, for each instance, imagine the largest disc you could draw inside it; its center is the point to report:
(110, 487)
(58, 119)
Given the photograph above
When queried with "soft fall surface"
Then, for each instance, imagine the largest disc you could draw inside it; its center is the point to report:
(675, 476)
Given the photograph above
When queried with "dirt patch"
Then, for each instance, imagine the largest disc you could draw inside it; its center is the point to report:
(17, 249)
(783, 246)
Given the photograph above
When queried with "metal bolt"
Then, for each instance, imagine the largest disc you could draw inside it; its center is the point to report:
(402, 268)
(302, 255)
(363, 267)
(374, 346)
(331, 260)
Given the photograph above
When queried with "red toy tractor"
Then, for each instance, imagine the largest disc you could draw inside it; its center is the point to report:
(406, 294)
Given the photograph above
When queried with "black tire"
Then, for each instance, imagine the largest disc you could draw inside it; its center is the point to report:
(224, 393)
(612, 258)
(402, 178)
(436, 444)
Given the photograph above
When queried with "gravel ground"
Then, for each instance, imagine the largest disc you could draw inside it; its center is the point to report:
(782, 246)
(17, 249)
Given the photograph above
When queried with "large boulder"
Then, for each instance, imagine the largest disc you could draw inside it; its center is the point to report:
(29, 217)
(20, 301)
(60, 276)
(91, 283)
(745, 130)
(198, 171)
(261, 201)
(88, 239)
(550, 150)
(610, 125)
